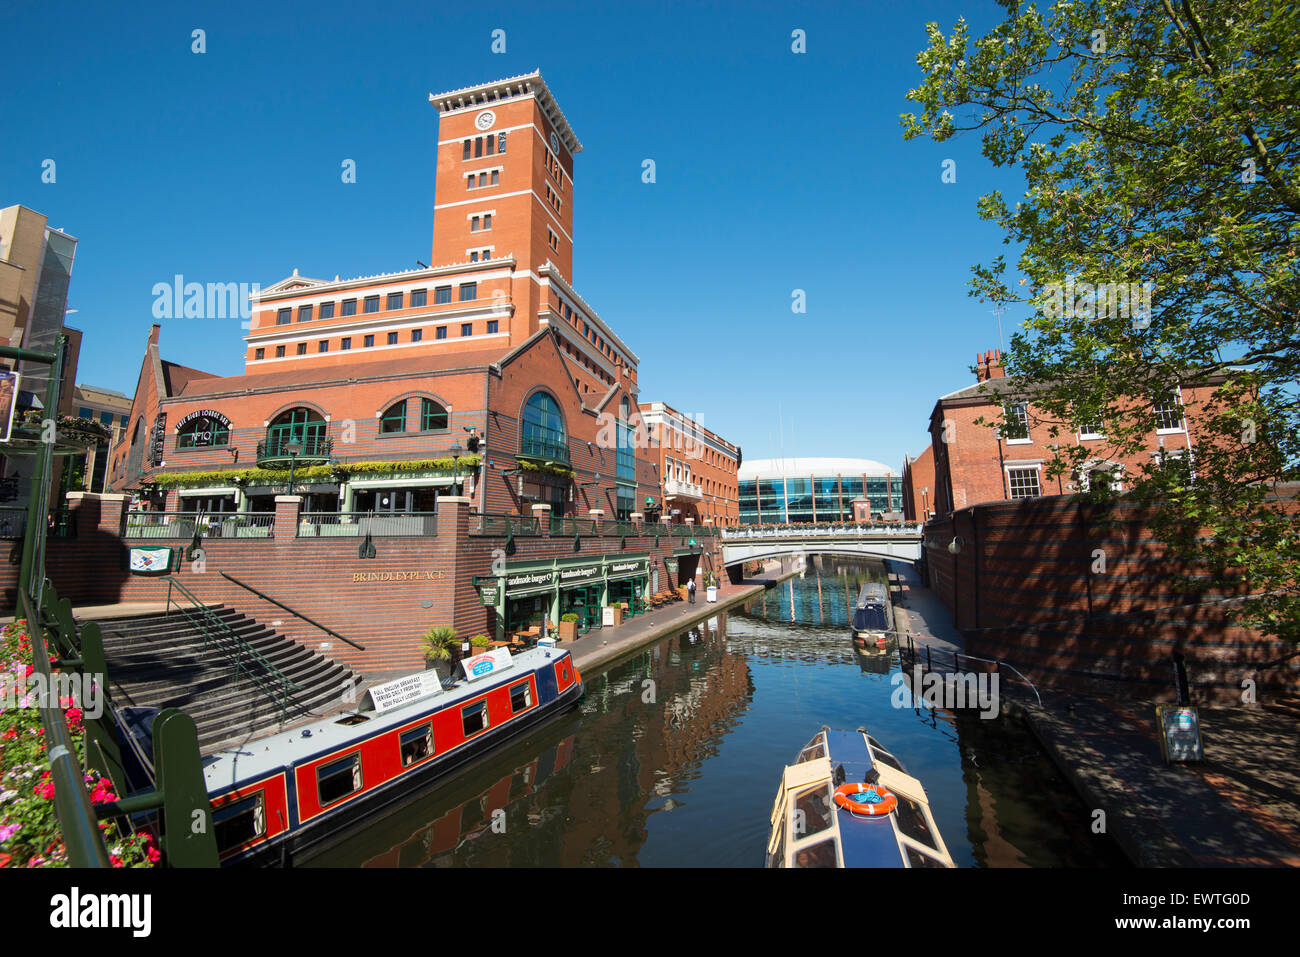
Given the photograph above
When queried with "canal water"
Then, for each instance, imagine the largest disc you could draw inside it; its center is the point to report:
(674, 756)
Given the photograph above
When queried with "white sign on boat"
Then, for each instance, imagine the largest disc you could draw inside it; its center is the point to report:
(480, 666)
(391, 694)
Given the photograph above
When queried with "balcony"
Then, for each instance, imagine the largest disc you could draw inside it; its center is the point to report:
(274, 451)
(683, 491)
(546, 451)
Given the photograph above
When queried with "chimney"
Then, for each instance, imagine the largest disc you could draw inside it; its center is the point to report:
(989, 366)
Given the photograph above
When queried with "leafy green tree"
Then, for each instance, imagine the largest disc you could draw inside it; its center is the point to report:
(1158, 140)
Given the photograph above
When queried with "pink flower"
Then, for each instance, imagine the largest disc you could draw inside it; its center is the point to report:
(8, 831)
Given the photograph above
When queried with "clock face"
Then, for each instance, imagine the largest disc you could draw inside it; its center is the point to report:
(555, 144)
(485, 120)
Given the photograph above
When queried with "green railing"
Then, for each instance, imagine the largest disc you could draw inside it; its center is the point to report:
(296, 614)
(619, 530)
(582, 527)
(248, 660)
(518, 526)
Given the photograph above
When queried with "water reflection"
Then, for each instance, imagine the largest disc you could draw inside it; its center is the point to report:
(648, 770)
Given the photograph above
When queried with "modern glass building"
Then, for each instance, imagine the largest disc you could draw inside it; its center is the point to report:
(815, 489)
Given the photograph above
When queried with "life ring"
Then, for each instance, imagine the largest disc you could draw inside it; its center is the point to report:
(869, 799)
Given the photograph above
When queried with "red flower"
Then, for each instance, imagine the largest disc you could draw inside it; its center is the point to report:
(152, 854)
(45, 790)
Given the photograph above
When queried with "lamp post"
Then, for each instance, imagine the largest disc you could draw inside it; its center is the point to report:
(456, 453)
(294, 449)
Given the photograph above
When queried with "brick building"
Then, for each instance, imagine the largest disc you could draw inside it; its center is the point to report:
(918, 486)
(697, 468)
(974, 463)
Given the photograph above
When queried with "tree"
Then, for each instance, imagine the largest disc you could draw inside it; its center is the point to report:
(1158, 141)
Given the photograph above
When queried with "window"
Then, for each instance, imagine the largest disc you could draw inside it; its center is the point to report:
(816, 807)
(1092, 430)
(282, 317)
(521, 698)
(1015, 422)
(419, 297)
(394, 420)
(433, 417)
(442, 295)
(304, 313)
(417, 335)
(236, 823)
(478, 147)
(1169, 414)
(259, 354)
(394, 300)
(338, 779)
(327, 310)
(491, 143)
(542, 433)
(301, 425)
(466, 154)
(442, 332)
(468, 291)
(346, 343)
(496, 174)
(323, 346)
(302, 348)
(1023, 483)
(492, 326)
(819, 855)
(370, 341)
(473, 225)
(501, 143)
(106, 418)
(392, 338)
(349, 307)
(279, 352)
(474, 718)
(467, 328)
(417, 744)
(372, 304)
(202, 433)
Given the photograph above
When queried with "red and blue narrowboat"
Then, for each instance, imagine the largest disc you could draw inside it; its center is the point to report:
(288, 796)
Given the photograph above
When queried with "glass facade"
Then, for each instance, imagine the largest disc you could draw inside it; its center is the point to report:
(815, 498)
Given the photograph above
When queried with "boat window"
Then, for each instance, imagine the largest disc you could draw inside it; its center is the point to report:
(238, 822)
(417, 744)
(875, 745)
(817, 739)
(884, 757)
(812, 754)
(338, 779)
(352, 719)
(912, 821)
(916, 859)
(474, 718)
(521, 697)
(813, 811)
(819, 855)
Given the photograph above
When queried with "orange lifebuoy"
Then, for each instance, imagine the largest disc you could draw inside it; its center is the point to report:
(877, 801)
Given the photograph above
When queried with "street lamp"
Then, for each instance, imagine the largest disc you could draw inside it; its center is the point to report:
(456, 453)
(294, 449)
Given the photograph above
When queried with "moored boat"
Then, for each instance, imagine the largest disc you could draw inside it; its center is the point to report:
(870, 628)
(847, 802)
(289, 795)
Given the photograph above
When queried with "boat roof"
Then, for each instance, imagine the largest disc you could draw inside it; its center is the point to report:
(262, 756)
(807, 824)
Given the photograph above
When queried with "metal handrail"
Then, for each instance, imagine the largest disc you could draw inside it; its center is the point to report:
(220, 633)
(998, 662)
(77, 819)
(296, 614)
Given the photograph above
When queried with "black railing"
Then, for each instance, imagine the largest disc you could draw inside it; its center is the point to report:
(540, 447)
(277, 447)
(296, 614)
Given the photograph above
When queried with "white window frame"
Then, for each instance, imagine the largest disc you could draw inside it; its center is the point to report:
(1038, 478)
(1097, 465)
(1028, 439)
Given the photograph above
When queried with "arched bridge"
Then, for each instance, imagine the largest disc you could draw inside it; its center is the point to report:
(753, 543)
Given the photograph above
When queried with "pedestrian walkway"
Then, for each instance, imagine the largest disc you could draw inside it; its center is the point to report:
(1240, 807)
(919, 613)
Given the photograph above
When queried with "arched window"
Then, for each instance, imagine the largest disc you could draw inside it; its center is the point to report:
(542, 433)
(302, 426)
(433, 417)
(394, 420)
(202, 432)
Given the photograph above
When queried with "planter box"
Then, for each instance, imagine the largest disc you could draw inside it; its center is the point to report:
(568, 630)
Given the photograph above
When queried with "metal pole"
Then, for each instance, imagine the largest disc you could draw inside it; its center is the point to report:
(38, 500)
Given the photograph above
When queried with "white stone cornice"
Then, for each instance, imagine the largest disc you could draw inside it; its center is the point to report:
(515, 87)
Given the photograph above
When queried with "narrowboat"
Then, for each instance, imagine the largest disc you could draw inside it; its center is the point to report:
(847, 802)
(871, 627)
(290, 795)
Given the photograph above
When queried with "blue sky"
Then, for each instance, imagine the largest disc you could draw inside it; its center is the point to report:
(775, 171)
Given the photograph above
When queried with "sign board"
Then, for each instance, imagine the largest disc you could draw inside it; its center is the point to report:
(8, 402)
(392, 694)
(489, 663)
(1180, 732)
(627, 568)
(528, 583)
(489, 593)
(581, 573)
(150, 561)
(671, 563)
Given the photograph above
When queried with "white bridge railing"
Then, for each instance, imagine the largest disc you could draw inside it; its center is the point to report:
(839, 530)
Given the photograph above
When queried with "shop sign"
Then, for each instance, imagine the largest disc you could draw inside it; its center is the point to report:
(624, 569)
(581, 573)
(202, 435)
(396, 576)
(490, 594)
(528, 582)
(671, 563)
(391, 694)
(480, 666)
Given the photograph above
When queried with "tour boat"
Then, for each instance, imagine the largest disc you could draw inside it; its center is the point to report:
(847, 802)
(292, 794)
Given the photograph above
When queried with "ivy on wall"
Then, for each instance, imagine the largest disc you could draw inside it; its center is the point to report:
(335, 473)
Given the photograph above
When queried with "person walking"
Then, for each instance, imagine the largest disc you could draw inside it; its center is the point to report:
(690, 590)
